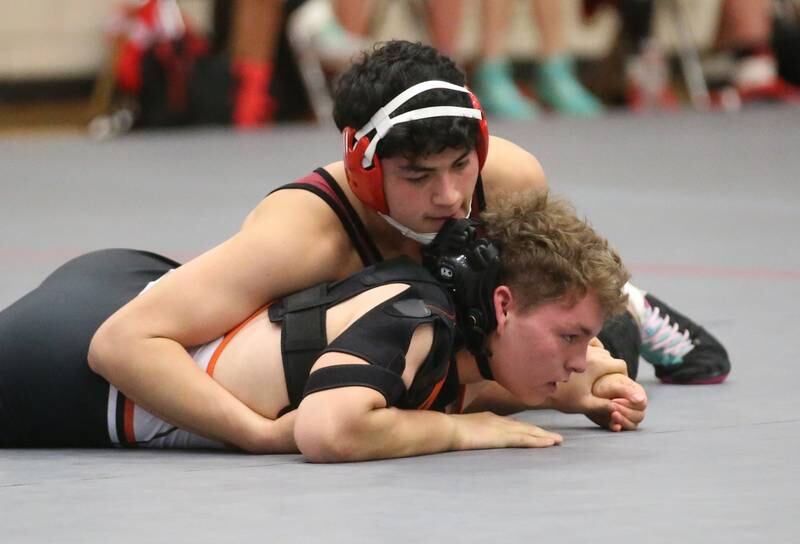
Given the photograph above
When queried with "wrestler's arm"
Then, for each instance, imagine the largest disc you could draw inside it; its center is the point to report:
(355, 424)
(604, 393)
(140, 349)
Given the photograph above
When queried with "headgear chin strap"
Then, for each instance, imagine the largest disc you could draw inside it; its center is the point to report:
(362, 164)
(423, 238)
(470, 267)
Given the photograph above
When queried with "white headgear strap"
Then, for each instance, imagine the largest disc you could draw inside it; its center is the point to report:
(423, 238)
(382, 123)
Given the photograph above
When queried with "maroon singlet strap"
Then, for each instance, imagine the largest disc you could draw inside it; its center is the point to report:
(322, 184)
(478, 200)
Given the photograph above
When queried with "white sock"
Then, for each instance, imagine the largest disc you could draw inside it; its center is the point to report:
(637, 305)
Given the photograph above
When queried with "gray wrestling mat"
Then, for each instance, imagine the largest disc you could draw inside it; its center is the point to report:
(704, 208)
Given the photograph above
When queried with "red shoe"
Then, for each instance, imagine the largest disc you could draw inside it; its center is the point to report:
(648, 85)
(757, 80)
(640, 101)
(253, 105)
(776, 90)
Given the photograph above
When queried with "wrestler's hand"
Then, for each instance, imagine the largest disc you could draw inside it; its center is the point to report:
(272, 436)
(485, 430)
(604, 393)
(628, 402)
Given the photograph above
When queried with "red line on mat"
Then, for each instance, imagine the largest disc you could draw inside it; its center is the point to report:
(665, 269)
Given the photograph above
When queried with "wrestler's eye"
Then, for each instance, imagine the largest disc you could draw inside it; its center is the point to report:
(417, 179)
(460, 165)
(569, 338)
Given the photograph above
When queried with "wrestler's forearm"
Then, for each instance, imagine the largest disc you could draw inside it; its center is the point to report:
(331, 429)
(159, 375)
(392, 432)
(335, 435)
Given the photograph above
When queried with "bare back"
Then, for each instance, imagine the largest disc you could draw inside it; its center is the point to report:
(251, 366)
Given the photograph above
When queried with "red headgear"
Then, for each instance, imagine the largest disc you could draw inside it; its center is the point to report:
(363, 166)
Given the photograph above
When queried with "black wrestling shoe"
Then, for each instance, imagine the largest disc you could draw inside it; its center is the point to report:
(681, 351)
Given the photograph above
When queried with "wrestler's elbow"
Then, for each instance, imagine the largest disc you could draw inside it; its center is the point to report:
(109, 342)
(320, 445)
(328, 436)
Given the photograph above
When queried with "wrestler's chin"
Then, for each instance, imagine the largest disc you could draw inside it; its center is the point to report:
(538, 395)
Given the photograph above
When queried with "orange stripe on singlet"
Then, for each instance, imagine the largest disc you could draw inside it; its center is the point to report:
(130, 435)
(228, 337)
(458, 404)
(434, 393)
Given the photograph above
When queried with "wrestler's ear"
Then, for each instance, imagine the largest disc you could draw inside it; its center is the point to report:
(503, 300)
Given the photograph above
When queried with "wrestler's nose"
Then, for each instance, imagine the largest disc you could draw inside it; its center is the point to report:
(448, 193)
(576, 362)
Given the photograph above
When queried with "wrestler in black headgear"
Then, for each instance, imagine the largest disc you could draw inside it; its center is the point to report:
(469, 265)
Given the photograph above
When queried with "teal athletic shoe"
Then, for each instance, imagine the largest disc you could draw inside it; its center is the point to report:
(681, 351)
(557, 86)
(499, 95)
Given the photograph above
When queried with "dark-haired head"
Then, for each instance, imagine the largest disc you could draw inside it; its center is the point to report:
(386, 71)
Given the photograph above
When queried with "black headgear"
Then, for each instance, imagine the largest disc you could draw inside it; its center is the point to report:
(469, 266)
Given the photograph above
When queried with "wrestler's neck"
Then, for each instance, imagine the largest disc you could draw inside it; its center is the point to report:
(389, 239)
(468, 371)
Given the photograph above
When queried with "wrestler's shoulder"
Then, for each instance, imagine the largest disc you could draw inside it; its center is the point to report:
(510, 168)
(295, 206)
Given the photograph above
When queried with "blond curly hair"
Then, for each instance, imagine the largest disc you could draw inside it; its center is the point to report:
(549, 253)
